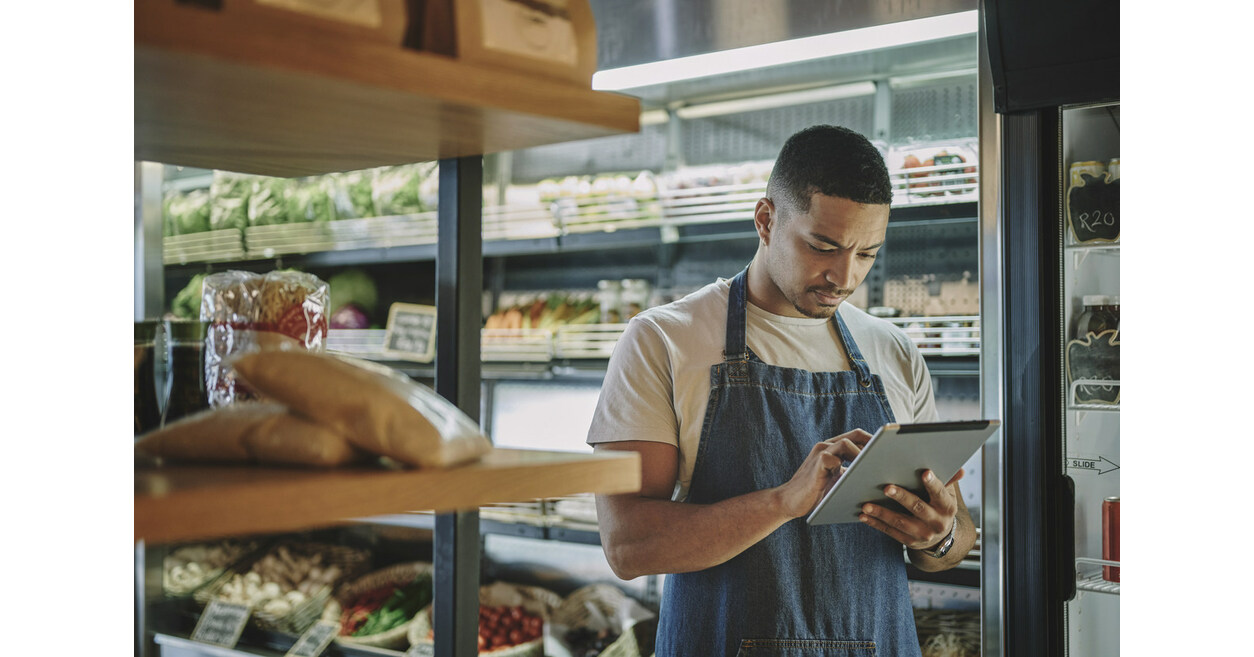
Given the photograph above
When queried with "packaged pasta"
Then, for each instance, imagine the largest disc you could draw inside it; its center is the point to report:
(246, 311)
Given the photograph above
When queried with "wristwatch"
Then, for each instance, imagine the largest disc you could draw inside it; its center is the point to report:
(943, 549)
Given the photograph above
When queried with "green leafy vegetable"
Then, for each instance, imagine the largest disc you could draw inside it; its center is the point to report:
(310, 200)
(353, 286)
(266, 206)
(228, 199)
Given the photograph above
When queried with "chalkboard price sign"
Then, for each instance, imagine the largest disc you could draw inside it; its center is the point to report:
(1093, 209)
(1095, 358)
(411, 332)
(221, 623)
(315, 640)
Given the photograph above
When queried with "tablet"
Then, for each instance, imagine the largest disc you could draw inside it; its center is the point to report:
(898, 454)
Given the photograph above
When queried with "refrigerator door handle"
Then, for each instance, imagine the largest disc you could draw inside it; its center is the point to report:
(1064, 527)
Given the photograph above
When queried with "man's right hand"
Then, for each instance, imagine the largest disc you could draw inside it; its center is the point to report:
(819, 472)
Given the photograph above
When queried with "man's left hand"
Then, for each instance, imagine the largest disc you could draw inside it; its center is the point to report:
(926, 523)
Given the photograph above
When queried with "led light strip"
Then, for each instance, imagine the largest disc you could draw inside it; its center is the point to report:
(787, 52)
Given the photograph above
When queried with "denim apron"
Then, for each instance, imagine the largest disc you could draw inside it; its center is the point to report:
(826, 590)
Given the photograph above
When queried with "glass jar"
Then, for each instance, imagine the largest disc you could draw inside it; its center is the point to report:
(185, 381)
(147, 401)
(1100, 318)
(1101, 314)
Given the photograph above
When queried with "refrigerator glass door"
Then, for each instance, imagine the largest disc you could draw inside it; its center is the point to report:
(1090, 269)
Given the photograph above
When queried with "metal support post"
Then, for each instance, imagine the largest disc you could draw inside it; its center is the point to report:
(149, 277)
(459, 288)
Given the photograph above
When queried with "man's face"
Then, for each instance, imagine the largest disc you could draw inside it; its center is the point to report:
(816, 259)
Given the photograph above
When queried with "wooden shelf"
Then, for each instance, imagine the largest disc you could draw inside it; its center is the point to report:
(201, 502)
(217, 92)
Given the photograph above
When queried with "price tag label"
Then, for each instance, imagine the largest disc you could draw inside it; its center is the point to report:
(421, 650)
(411, 332)
(221, 623)
(315, 640)
(1093, 209)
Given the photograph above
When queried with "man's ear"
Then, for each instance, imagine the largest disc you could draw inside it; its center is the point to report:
(764, 219)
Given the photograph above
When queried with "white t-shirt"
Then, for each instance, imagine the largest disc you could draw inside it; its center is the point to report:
(657, 385)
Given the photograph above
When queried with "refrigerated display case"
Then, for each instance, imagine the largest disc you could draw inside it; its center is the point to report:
(1050, 255)
(1091, 367)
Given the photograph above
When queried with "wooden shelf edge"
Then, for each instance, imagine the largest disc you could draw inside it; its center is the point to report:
(179, 503)
(218, 92)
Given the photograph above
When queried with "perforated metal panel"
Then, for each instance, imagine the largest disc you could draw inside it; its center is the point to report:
(630, 152)
(945, 250)
(759, 135)
(935, 112)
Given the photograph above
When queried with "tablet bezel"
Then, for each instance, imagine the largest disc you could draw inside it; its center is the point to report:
(887, 457)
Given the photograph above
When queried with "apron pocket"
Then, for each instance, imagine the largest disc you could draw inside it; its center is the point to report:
(805, 648)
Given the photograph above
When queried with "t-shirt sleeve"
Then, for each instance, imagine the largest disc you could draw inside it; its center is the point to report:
(636, 401)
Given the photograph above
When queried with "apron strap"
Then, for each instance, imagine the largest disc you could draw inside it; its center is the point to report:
(734, 348)
(859, 363)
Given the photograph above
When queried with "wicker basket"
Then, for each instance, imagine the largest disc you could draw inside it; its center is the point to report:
(213, 560)
(948, 633)
(397, 575)
(349, 561)
(534, 599)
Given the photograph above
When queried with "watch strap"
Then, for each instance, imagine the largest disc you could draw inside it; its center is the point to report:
(943, 549)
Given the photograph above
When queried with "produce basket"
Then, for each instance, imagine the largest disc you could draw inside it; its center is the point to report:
(393, 578)
(948, 633)
(533, 600)
(188, 568)
(289, 585)
(601, 620)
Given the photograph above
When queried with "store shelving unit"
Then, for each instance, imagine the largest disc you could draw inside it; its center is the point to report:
(214, 90)
(220, 92)
(204, 502)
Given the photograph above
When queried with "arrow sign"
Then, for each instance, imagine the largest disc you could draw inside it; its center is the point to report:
(1100, 465)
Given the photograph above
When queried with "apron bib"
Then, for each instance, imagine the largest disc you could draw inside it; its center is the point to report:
(802, 591)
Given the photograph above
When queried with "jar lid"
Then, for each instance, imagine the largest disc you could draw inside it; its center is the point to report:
(184, 330)
(1100, 300)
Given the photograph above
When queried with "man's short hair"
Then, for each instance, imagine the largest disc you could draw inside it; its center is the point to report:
(832, 161)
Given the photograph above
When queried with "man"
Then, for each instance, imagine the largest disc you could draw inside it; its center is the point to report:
(743, 399)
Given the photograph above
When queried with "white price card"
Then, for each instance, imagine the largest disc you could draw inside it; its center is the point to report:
(315, 639)
(221, 623)
(421, 650)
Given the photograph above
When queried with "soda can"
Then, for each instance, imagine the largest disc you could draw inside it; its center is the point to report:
(1110, 538)
(1092, 168)
(1112, 170)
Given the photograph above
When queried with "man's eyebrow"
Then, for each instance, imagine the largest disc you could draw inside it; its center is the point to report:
(828, 240)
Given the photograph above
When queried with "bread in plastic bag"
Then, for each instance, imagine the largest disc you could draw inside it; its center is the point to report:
(226, 306)
(247, 311)
(376, 408)
(258, 432)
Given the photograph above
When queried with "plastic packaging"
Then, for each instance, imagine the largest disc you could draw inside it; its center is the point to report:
(309, 200)
(397, 189)
(266, 205)
(186, 213)
(228, 200)
(257, 432)
(352, 194)
(246, 311)
(378, 409)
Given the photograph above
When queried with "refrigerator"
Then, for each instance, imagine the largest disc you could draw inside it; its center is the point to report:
(1049, 231)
